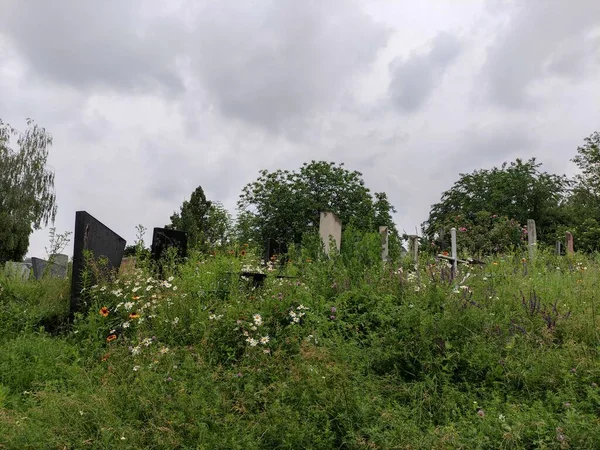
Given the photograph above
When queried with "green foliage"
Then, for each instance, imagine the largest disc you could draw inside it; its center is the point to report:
(206, 223)
(27, 186)
(284, 205)
(349, 352)
(517, 191)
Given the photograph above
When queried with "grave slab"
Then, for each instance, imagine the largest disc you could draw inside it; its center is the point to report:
(330, 226)
(163, 239)
(93, 236)
(17, 270)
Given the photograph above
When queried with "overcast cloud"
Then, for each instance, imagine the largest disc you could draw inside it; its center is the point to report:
(146, 100)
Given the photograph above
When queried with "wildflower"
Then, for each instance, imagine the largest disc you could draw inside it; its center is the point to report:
(333, 309)
(266, 350)
(257, 319)
(253, 328)
(149, 280)
(136, 368)
(243, 253)
(332, 317)
(136, 350)
(175, 320)
(501, 418)
(148, 288)
(125, 325)
(164, 350)
(167, 285)
(128, 306)
(146, 342)
(134, 315)
(171, 278)
(103, 288)
(169, 379)
(174, 288)
(481, 412)
(135, 297)
(523, 260)
(239, 375)
(106, 356)
(111, 337)
(264, 340)
(253, 342)
(462, 229)
(135, 289)
(104, 311)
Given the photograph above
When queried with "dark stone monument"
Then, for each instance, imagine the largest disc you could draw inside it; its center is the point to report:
(162, 239)
(58, 267)
(275, 249)
(102, 242)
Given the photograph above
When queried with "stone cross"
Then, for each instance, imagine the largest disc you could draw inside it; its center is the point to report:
(531, 237)
(570, 250)
(385, 252)
(330, 226)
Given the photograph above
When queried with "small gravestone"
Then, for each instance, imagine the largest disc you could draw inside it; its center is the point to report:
(570, 249)
(17, 270)
(385, 249)
(413, 247)
(163, 239)
(93, 236)
(57, 268)
(531, 237)
(330, 227)
(274, 249)
(454, 252)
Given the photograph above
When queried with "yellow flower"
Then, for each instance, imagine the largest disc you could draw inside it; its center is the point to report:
(134, 315)
(104, 311)
(110, 338)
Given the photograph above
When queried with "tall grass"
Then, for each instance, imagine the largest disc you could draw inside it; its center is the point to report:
(347, 352)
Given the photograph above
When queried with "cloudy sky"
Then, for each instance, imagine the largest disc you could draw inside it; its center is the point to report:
(147, 100)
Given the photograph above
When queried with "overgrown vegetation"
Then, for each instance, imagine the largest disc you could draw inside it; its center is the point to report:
(345, 352)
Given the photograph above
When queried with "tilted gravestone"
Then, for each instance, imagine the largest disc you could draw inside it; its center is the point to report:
(330, 227)
(17, 270)
(57, 268)
(93, 236)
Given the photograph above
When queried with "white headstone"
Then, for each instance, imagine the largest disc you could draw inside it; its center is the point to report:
(413, 247)
(383, 232)
(454, 253)
(531, 237)
(330, 226)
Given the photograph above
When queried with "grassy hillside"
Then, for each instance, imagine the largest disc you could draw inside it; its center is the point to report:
(346, 353)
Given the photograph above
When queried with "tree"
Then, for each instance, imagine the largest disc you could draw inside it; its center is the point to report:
(193, 218)
(486, 199)
(284, 204)
(583, 204)
(28, 200)
(219, 225)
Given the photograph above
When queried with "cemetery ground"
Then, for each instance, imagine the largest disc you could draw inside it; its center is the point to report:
(348, 353)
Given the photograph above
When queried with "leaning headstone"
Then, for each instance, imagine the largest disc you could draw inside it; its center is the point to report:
(93, 236)
(274, 249)
(16, 270)
(570, 249)
(330, 226)
(531, 237)
(385, 248)
(56, 269)
(163, 239)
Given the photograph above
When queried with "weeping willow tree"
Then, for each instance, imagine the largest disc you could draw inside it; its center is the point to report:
(27, 197)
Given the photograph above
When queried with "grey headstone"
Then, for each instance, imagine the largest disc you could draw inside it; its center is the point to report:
(16, 270)
(101, 242)
(385, 252)
(330, 227)
(55, 269)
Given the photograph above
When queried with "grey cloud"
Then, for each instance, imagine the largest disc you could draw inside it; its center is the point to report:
(415, 78)
(89, 44)
(542, 38)
(275, 65)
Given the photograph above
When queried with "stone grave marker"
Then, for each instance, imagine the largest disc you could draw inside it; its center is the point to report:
(569, 246)
(58, 268)
(274, 248)
(413, 247)
(385, 249)
(163, 239)
(93, 236)
(18, 270)
(531, 237)
(330, 226)
(454, 252)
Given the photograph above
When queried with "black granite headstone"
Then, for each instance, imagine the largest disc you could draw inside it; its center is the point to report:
(101, 241)
(162, 239)
(274, 249)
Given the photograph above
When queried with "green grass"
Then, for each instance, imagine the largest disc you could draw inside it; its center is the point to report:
(379, 358)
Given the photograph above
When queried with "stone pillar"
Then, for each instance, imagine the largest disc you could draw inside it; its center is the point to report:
(531, 237)
(570, 250)
(454, 252)
(330, 225)
(413, 247)
(383, 233)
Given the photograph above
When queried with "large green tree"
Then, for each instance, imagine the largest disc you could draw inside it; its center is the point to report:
(583, 204)
(494, 202)
(206, 223)
(286, 204)
(27, 197)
